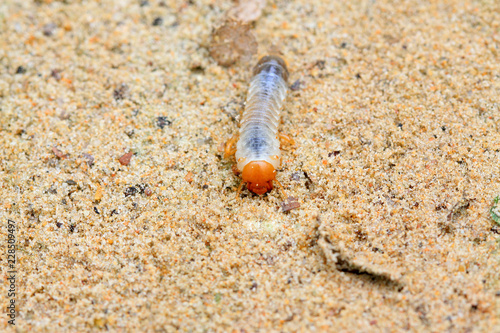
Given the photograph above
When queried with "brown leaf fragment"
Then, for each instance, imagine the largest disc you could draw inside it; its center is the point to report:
(58, 153)
(232, 41)
(125, 159)
(289, 204)
(247, 10)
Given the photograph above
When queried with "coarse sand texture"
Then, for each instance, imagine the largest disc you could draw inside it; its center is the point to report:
(112, 119)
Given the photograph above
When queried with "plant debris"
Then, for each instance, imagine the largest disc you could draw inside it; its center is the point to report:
(58, 153)
(495, 210)
(247, 10)
(289, 204)
(232, 41)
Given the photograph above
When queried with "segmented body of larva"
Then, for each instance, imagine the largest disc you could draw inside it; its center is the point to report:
(258, 148)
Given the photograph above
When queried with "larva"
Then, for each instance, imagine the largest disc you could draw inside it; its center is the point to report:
(257, 149)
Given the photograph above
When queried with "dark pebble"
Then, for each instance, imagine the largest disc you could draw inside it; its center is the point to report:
(56, 74)
(296, 85)
(296, 176)
(130, 191)
(334, 153)
(157, 21)
(20, 70)
(48, 29)
(121, 92)
(89, 158)
(320, 64)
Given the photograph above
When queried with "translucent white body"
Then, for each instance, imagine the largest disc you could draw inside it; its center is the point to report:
(258, 137)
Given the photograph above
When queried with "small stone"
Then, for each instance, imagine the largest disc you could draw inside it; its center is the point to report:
(162, 121)
(20, 70)
(48, 29)
(296, 85)
(129, 191)
(98, 194)
(56, 74)
(157, 21)
(121, 92)
(189, 177)
(125, 159)
(89, 158)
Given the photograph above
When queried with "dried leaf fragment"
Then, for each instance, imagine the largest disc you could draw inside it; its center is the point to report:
(125, 159)
(289, 204)
(58, 153)
(232, 41)
(247, 10)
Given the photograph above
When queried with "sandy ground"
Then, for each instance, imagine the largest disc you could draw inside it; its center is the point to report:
(396, 164)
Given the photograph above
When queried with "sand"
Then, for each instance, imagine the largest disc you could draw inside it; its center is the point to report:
(396, 164)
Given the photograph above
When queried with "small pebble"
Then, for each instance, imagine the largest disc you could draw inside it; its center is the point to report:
(129, 191)
(296, 85)
(157, 21)
(125, 159)
(161, 122)
(20, 70)
(121, 92)
(56, 74)
(48, 29)
(89, 158)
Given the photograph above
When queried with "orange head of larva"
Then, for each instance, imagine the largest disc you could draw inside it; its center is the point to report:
(259, 176)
